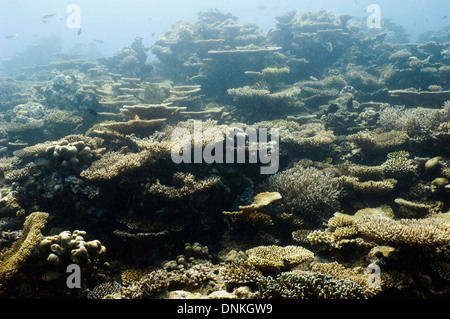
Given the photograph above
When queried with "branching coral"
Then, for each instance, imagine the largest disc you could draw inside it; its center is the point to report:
(307, 192)
(239, 273)
(417, 122)
(398, 164)
(309, 286)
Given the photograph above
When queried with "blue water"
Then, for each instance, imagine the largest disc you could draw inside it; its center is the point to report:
(116, 23)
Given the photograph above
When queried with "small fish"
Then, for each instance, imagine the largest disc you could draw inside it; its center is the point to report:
(35, 35)
(48, 16)
(328, 46)
(261, 7)
(312, 78)
(288, 52)
(92, 112)
(41, 161)
(328, 160)
(11, 36)
(161, 211)
(153, 34)
(98, 41)
(45, 21)
(441, 90)
(445, 17)
(79, 31)
(50, 275)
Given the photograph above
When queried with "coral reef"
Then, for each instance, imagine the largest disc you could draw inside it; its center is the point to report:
(357, 208)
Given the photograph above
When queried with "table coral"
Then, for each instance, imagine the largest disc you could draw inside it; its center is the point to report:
(183, 186)
(275, 258)
(249, 214)
(405, 232)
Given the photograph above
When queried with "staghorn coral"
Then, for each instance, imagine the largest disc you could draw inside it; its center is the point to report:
(184, 185)
(11, 259)
(306, 192)
(275, 258)
(405, 232)
(309, 286)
